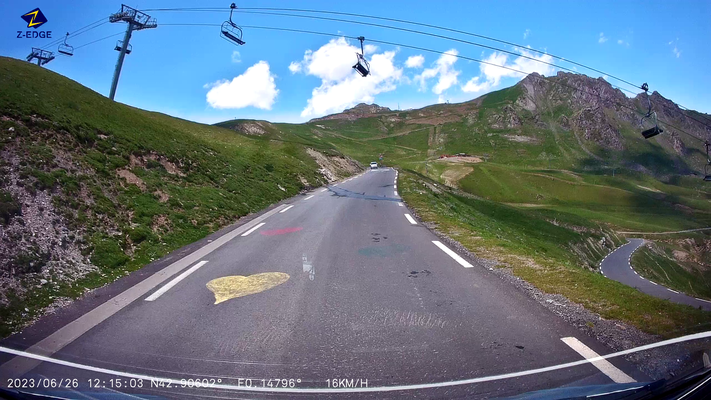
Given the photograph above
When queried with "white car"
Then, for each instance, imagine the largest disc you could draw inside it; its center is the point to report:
(373, 165)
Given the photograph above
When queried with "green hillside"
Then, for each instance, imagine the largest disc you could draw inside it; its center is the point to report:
(118, 187)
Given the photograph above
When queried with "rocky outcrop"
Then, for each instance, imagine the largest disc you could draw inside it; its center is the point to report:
(362, 110)
(594, 126)
(334, 168)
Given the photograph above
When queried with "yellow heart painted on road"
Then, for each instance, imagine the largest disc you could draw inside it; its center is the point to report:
(230, 287)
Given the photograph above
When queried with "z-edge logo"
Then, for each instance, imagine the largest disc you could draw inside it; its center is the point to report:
(34, 18)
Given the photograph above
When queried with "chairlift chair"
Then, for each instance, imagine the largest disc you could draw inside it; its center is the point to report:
(230, 31)
(64, 48)
(361, 64)
(119, 47)
(652, 115)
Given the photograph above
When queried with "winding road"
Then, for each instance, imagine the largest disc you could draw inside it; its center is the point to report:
(617, 266)
(338, 291)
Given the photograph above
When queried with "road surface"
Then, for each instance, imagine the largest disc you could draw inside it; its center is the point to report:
(336, 287)
(617, 265)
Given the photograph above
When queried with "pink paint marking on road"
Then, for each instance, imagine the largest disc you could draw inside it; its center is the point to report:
(280, 231)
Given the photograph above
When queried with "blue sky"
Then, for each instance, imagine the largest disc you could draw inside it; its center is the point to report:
(192, 73)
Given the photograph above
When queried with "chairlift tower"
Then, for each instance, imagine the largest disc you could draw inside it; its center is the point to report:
(42, 56)
(136, 21)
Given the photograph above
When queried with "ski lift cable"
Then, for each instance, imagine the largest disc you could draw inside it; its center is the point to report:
(433, 35)
(702, 114)
(430, 51)
(99, 40)
(466, 42)
(513, 53)
(78, 32)
(270, 9)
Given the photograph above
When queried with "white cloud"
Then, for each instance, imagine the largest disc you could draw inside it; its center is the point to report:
(444, 69)
(254, 88)
(675, 50)
(473, 85)
(341, 87)
(622, 42)
(236, 57)
(295, 67)
(526, 33)
(415, 61)
(370, 49)
(492, 73)
(602, 38)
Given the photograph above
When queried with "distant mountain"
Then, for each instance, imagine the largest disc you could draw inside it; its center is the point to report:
(568, 120)
(362, 110)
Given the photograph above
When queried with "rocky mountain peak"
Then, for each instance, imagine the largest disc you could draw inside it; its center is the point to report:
(361, 110)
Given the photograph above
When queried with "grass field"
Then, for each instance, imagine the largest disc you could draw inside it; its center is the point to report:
(71, 142)
(541, 252)
(659, 266)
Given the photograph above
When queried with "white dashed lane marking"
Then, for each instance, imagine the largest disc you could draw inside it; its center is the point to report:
(603, 365)
(308, 197)
(452, 254)
(253, 229)
(284, 210)
(412, 220)
(175, 281)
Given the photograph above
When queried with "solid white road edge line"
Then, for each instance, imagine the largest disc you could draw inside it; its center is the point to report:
(253, 229)
(604, 366)
(37, 358)
(175, 281)
(19, 366)
(409, 218)
(308, 197)
(452, 254)
(284, 210)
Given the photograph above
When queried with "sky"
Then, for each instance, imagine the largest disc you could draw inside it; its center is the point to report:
(192, 73)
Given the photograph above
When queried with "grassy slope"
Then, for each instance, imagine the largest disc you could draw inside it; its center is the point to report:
(661, 267)
(538, 252)
(119, 226)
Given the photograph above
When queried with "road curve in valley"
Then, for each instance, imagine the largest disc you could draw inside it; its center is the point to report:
(617, 266)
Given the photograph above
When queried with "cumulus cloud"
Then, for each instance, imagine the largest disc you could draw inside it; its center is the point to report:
(255, 87)
(415, 61)
(602, 38)
(294, 67)
(443, 70)
(370, 49)
(341, 87)
(236, 57)
(526, 33)
(492, 73)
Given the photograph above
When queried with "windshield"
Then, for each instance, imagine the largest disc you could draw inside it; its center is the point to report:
(361, 200)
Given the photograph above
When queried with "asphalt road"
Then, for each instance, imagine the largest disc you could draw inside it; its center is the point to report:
(351, 287)
(617, 265)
